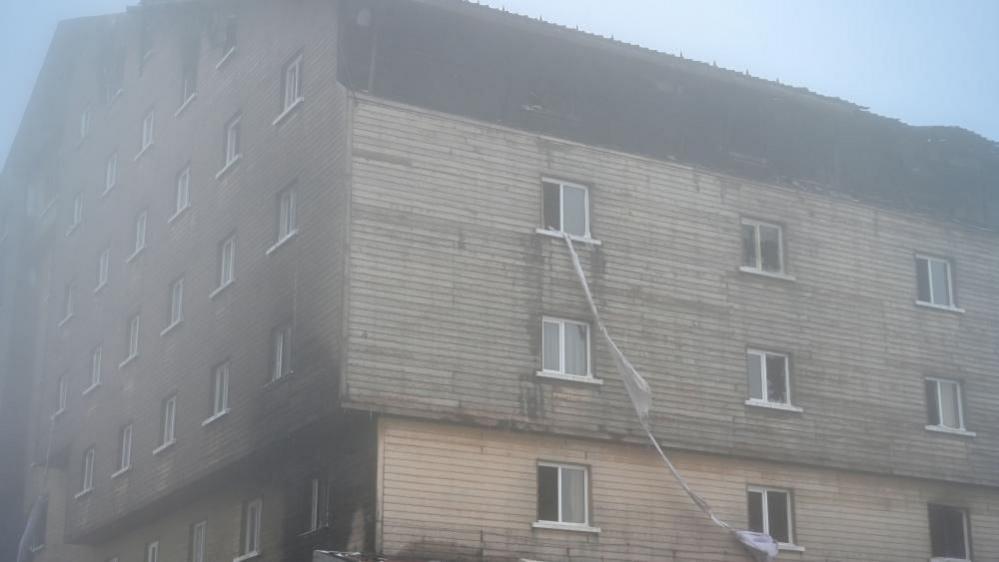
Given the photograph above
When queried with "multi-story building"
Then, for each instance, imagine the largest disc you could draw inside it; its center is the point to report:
(289, 276)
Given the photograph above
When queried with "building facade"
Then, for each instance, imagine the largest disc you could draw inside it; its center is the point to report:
(292, 277)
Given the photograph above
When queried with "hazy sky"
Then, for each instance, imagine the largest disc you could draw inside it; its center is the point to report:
(926, 62)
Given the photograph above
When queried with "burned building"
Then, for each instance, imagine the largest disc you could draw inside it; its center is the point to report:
(288, 276)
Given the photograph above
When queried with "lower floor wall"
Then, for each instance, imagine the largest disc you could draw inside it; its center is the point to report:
(455, 492)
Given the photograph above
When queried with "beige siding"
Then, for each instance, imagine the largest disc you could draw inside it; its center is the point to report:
(449, 282)
(455, 491)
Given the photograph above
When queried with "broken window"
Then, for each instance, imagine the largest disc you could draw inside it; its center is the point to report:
(562, 494)
(949, 533)
(769, 377)
(762, 246)
(933, 279)
(566, 347)
(944, 407)
(566, 208)
(770, 513)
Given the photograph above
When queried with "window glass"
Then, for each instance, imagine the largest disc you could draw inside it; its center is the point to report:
(950, 410)
(923, 279)
(940, 282)
(776, 378)
(777, 510)
(932, 403)
(575, 349)
(551, 347)
(770, 248)
(574, 210)
(755, 511)
(547, 493)
(552, 206)
(948, 535)
(573, 495)
(749, 245)
(753, 364)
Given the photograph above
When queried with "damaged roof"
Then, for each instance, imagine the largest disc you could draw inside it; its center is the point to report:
(471, 60)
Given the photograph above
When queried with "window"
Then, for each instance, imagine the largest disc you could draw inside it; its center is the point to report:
(176, 303)
(133, 339)
(197, 553)
(232, 146)
(68, 302)
(85, 117)
(153, 552)
(286, 214)
(220, 390)
(944, 404)
(111, 173)
(147, 131)
(229, 40)
(280, 352)
(933, 278)
(61, 393)
(87, 480)
(251, 527)
(96, 358)
(949, 534)
(124, 448)
(168, 420)
(77, 213)
(314, 502)
(227, 261)
(292, 83)
(566, 208)
(566, 348)
(762, 247)
(140, 234)
(182, 195)
(563, 495)
(188, 83)
(103, 268)
(770, 513)
(769, 377)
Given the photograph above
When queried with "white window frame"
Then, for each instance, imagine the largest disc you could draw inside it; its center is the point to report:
(281, 344)
(967, 537)
(291, 87)
(141, 222)
(761, 356)
(963, 429)
(168, 424)
(250, 539)
(153, 551)
(182, 193)
(62, 390)
(132, 340)
(96, 368)
(233, 144)
(103, 269)
(587, 235)
(69, 303)
(314, 504)
(791, 531)
(77, 218)
(758, 247)
(85, 117)
(148, 131)
(220, 391)
(560, 373)
(199, 533)
(560, 524)
(231, 32)
(226, 264)
(930, 260)
(176, 310)
(188, 86)
(111, 173)
(87, 480)
(124, 449)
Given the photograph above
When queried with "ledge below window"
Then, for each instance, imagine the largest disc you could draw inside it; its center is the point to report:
(556, 526)
(171, 327)
(164, 446)
(83, 493)
(215, 417)
(568, 378)
(178, 213)
(218, 290)
(98, 288)
(789, 547)
(950, 431)
(184, 105)
(134, 255)
(773, 405)
(294, 105)
(128, 360)
(284, 239)
(121, 472)
(228, 166)
(945, 308)
(143, 151)
(574, 238)
(65, 320)
(247, 556)
(225, 57)
(770, 274)
(55, 415)
(91, 388)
